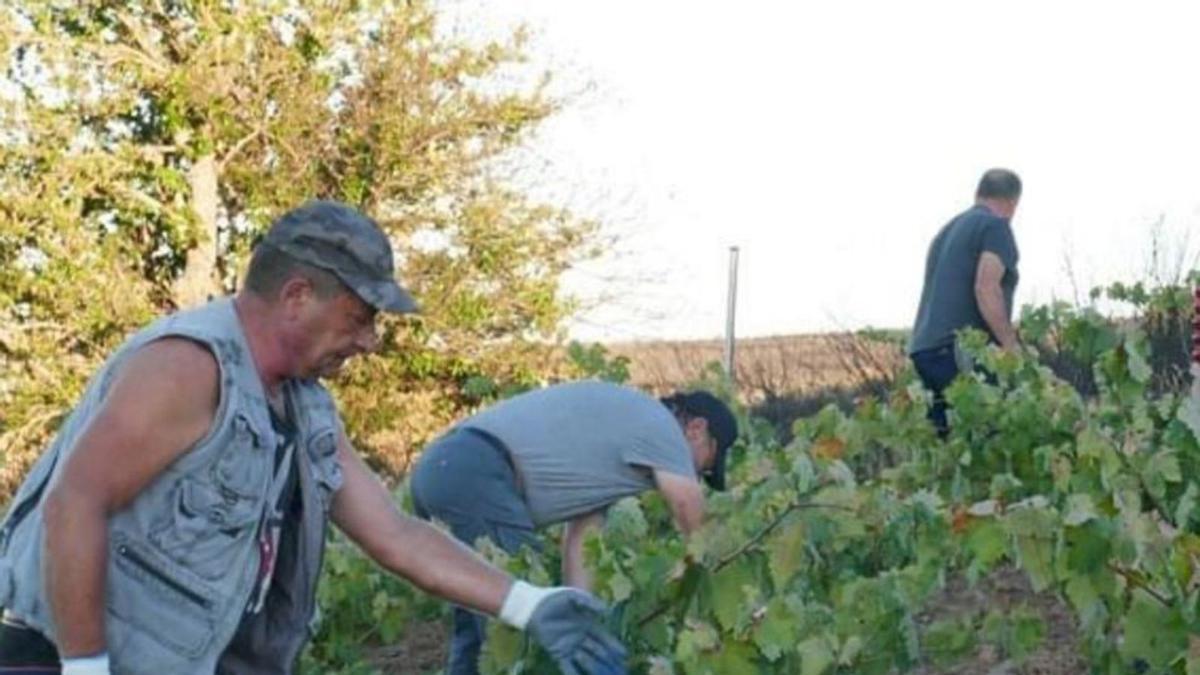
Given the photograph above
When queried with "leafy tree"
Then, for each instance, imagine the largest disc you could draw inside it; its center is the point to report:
(145, 144)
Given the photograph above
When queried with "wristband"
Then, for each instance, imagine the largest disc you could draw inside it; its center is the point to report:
(87, 665)
(520, 602)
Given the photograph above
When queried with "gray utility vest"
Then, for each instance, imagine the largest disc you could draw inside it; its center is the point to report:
(184, 555)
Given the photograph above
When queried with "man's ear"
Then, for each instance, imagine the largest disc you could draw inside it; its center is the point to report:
(294, 294)
(697, 427)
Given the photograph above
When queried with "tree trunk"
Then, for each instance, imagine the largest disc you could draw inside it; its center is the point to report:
(199, 282)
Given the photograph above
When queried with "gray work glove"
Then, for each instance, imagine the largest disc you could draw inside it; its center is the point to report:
(569, 624)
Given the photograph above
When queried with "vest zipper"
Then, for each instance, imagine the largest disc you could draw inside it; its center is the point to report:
(135, 558)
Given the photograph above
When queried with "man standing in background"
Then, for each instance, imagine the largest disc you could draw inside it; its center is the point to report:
(970, 277)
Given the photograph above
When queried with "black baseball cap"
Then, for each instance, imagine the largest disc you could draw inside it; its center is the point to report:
(722, 426)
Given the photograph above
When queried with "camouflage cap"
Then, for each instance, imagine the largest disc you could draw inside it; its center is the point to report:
(337, 238)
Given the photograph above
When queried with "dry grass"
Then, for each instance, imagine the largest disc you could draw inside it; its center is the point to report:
(768, 367)
(779, 378)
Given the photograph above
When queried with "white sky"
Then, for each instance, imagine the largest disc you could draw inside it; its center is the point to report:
(830, 140)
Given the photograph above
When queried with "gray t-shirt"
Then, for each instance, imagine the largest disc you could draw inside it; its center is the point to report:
(948, 297)
(581, 446)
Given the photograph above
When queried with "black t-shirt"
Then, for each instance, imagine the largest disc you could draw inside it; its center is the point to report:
(948, 296)
(285, 436)
(278, 530)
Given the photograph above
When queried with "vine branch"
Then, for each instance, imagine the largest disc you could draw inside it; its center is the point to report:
(798, 504)
(1136, 581)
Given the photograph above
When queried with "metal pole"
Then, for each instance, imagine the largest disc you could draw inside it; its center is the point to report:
(731, 310)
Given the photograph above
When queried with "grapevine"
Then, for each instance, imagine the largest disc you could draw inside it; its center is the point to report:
(823, 555)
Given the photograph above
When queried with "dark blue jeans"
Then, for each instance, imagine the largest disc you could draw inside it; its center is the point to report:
(23, 651)
(466, 480)
(937, 368)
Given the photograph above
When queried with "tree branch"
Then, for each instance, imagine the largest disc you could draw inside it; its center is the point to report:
(143, 44)
(238, 147)
(142, 198)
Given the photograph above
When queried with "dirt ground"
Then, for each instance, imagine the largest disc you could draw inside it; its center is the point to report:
(422, 651)
(424, 647)
(1005, 589)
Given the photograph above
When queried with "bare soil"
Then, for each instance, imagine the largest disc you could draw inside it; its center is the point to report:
(1004, 590)
(421, 651)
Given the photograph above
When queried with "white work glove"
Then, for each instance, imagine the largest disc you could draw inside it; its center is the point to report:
(87, 665)
(568, 623)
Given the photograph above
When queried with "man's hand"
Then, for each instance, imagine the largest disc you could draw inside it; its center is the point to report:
(568, 623)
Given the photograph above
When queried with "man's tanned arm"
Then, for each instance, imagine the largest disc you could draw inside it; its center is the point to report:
(161, 402)
(989, 297)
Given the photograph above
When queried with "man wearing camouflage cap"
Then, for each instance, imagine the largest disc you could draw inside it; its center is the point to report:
(177, 521)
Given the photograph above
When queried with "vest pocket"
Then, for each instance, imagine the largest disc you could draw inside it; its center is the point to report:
(327, 473)
(208, 528)
(159, 598)
(243, 468)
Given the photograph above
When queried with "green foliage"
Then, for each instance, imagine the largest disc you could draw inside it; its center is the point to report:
(362, 606)
(821, 557)
(593, 361)
(825, 554)
(1071, 339)
(147, 138)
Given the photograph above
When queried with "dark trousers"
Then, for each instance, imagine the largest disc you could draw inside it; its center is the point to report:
(466, 480)
(23, 651)
(937, 368)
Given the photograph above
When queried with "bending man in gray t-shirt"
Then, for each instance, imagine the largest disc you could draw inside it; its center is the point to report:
(565, 454)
